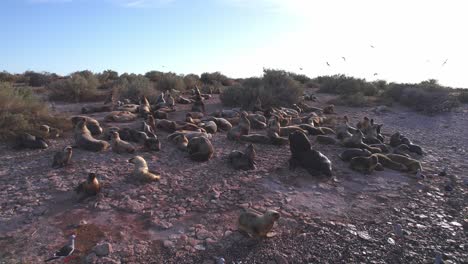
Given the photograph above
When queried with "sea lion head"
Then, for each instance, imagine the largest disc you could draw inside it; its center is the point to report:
(272, 214)
(298, 142)
(91, 176)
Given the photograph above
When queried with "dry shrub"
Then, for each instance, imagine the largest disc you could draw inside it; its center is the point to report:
(21, 111)
(79, 87)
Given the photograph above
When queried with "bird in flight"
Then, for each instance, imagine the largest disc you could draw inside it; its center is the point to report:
(343, 58)
(65, 251)
(375, 74)
(372, 46)
(445, 62)
(300, 68)
(328, 64)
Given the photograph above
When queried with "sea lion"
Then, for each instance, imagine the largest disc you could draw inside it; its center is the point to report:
(150, 143)
(365, 165)
(243, 160)
(151, 123)
(195, 115)
(180, 125)
(243, 128)
(326, 140)
(397, 139)
(401, 149)
(327, 130)
(145, 127)
(158, 114)
(388, 163)
(364, 124)
(412, 164)
(141, 171)
(91, 123)
(170, 102)
(49, 132)
(255, 138)
(25, 140)
(303, 155)
(198, 105)
(84, 139)
(221, 123)
(183, 100)
(348, 154)
(89, 187)
(144, 108)
(120, 117)
(189, 134)
(329, 109)
(383, 148)
(200, 149)
(132, 108)
(257, 225)
(229, 113)
(166, 125)
(181, 142)
(120, 146)
(209, 126)
(96, 109)
(355, 141)
(62, 158)
(277, 140)
(314, 131)
(286, 131)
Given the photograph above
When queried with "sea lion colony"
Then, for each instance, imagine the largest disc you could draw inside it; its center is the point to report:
(364, 146)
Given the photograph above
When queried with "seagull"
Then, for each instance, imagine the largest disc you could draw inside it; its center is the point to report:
(343, 58)
(300, 68)
(372, 46)
(375, 74)
(65, 251)
(328, 63)
(445, 62)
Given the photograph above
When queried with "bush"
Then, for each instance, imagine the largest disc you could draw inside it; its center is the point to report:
(276, 88)
(171, 81)
(353, 100)
(21, 111)
(133, 87)
(79, 87)
(37, 79)
(154, 76)
(301, 78)
(341, 84)
(7, 77)
(212, 78)
(463, 97)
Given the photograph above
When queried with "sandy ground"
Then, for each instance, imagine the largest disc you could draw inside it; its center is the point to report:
(190, 215)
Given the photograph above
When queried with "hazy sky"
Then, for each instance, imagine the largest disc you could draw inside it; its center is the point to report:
(411, 39)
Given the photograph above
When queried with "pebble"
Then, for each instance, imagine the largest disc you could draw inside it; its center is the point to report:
(168, 244)
(102, 250)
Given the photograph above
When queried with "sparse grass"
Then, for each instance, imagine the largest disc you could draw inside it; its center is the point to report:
(21, 111)
(276, 88)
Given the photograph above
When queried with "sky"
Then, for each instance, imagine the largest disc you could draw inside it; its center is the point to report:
(394, 40)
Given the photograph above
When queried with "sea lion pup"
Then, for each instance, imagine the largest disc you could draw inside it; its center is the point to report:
(181, 142)
(49, 132)
(89, 187)
(120, 117)
(25, 140)
(329, 109)
(91, 123)
(144, 108)
(325, 140)
(150, 143)
(257, 121)
(286, 131)
(412, 164)
(364, 124)
(257, 225)
(314, 131)
(412, 147)
(365, 165)
(348, 154)
(243, 128)
(200, 149)
(243, 160)
(255, 138)
(141, 171)
(166, 125)
(209, 126)
(84, 139)
(303, 155)
(120, 146)
(388, 163)
(62, 158)
(198, 105)
(89, 109)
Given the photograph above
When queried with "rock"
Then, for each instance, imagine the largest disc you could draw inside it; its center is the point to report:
(448, 188)
(106, 260)
(220, 260)
(203, 234)
(391, 241)
(456, 224)
(91, 258)
(364, 235)
(168, 244)
(280, 259)
(200, 247)
(103, 249)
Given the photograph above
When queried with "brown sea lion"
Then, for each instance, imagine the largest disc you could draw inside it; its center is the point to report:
(255, 138)
(166, 125)
(150, 143)
(364, 164)
(144, 109)
(210, 127)
(412, 164)
(257, 225)
(329, 109)
(189, 134)
(181, 142)
(49, 132)
(200, 149)
(243, 160)
(221, 123)
(89, 187)
(96, 109)
(286, 131)
(120, 146)
(91, 123)
(303, 155)
(25, 140)
(62, 158)
(388, 163)
(243, 128)
(141, 171)
(84, 139)
(314, 131)
(198, 105)
(355, 141)
(326, 140)
(120, 117)
(348, 154)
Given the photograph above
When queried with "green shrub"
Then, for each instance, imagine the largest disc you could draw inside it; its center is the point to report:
(276, 88)
(301, 78)
(463, 97)
(7, 77)
(154, 76)
(341, 84)
(21, 111)
(212, 78)
(79, 87)
(133, 87)
(354, 100)
(191, 80)
(171, 81)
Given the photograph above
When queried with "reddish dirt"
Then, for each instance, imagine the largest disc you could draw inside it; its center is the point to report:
(181, 220)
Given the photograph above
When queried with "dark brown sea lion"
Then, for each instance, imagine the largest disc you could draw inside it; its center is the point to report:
(257, 225)
(243, 160)
(303, 155)
(62, 158)
(200, 149)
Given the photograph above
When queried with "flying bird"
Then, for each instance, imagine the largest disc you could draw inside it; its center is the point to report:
(375, 74)
(328, 64)
(65, 251)
(343, 58)
(300, 68)
(372, 46)
(445, 62)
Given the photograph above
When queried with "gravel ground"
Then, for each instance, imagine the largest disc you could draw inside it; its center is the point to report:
(190, 215)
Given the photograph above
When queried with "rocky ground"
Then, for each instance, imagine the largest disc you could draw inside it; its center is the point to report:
(190, 216)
